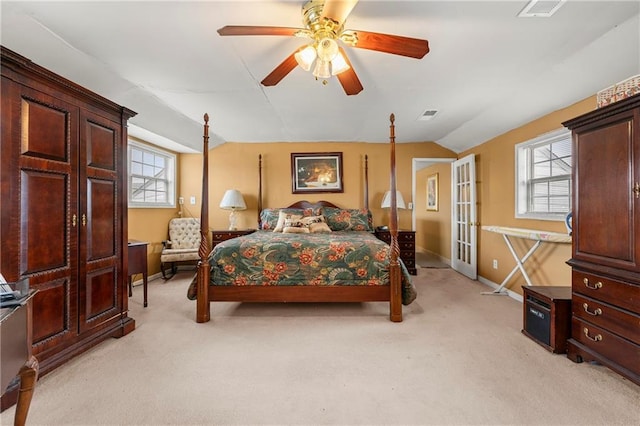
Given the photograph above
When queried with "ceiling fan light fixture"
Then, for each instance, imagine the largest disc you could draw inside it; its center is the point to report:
(327, 49)
(305, 57)
(339, 64)
(322, 69)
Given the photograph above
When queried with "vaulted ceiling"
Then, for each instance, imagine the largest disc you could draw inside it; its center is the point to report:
(488, 71)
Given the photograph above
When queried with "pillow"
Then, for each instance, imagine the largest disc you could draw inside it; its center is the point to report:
(269, 217)
(294, 225)
(284, 216)
(348, 219)
(316, 224)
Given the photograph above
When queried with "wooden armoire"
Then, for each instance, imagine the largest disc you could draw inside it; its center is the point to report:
(606, 238)
(63, 201)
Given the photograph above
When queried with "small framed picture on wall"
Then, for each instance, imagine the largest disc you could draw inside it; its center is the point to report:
(432, 192)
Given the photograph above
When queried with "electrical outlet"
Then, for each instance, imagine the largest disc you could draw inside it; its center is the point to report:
(181, 200)
(193, 200)
(495, 263)
(410, 206)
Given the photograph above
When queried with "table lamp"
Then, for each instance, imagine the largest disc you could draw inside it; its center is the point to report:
(232, 200)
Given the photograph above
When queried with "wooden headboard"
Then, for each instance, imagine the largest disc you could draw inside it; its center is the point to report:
(309, 205)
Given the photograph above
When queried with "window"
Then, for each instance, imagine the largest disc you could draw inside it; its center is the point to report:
(543, 177)
(152, 176)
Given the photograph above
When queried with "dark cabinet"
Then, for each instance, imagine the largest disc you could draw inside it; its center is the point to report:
(407, 244)
(63, 219)
(606, 242)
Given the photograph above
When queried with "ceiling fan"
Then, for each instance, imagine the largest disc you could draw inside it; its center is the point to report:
(324, 24)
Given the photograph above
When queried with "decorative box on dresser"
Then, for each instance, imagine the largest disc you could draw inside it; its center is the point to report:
(64, 216)
(219, 236)
(606, 238)
(407, 243)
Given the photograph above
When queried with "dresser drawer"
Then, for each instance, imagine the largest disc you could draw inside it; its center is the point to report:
(409, 263)
(607, 290)
(621, 322)
(405, 246)
(406, 236)
(619, 350)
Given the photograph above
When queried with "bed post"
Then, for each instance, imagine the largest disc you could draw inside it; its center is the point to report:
(203, 310)
(395, 303)
(366, 181)
(259, 189)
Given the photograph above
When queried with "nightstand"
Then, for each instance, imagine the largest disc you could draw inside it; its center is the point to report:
(407, 243)
(219, 236)
(138, 265)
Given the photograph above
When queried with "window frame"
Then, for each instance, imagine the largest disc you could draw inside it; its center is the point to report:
(171, 180)
(523, 166)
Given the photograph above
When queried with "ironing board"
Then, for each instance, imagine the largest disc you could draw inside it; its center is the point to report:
(530, 234)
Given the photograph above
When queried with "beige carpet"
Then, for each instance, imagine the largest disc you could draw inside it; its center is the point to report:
(458, 358)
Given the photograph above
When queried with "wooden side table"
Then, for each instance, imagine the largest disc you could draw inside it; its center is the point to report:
(138, 265)
(547, 316)
(16, 357)
(218, 236)
(407, 243)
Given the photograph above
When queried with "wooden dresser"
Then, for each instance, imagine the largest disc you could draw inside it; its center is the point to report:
(63, 221)
(407, 243)
(606, 238)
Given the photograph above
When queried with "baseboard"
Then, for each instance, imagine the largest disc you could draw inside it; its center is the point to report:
(511, 294)
(158, 275)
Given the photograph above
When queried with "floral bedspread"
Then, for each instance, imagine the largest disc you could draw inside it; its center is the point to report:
(337, 258)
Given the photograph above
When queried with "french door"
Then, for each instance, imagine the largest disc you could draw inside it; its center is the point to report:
(464, 250)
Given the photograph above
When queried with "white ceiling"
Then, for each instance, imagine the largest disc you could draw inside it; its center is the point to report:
(488, 71)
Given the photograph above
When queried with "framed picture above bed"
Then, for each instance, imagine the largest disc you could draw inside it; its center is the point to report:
(316, 172)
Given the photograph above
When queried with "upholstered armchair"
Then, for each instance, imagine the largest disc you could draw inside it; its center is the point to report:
(183, 244)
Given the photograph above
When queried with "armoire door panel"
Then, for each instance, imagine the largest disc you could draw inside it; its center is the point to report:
(101, 146)
(44, 235)
(45, 130)
(99, 297)
(101, 226)
(51, 316)
(605, 233)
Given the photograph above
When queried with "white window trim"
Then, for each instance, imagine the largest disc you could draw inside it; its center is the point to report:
(520, 183)
(171, 196)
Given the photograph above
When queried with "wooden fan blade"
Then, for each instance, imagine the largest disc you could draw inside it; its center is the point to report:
(281, 71)
(239, 30)
(396, 45)
(348, 79)
(338, 10)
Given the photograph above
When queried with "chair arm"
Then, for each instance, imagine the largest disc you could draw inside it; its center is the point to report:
(166, 244)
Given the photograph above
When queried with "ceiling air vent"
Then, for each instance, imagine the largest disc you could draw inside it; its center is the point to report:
(428, 115)
(541, 8)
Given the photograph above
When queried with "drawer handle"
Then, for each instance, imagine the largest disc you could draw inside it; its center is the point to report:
(592, 287)
(596, 338)
(595, 313)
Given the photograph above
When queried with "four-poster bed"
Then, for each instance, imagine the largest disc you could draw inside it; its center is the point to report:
(349, 265)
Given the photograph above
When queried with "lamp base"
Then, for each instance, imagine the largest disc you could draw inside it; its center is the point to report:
(233, 226)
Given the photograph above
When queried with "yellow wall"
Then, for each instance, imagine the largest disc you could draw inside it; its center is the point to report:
(433, 228)
(235, 165)
(495, 181)
(152, 225)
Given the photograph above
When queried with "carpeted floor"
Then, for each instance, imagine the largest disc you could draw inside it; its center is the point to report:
(458, 358)
(429, 260)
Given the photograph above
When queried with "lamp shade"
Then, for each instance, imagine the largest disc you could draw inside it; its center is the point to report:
(386, 200)
(232, 200)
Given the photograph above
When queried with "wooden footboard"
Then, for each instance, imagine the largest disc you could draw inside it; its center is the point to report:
(206, 294)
